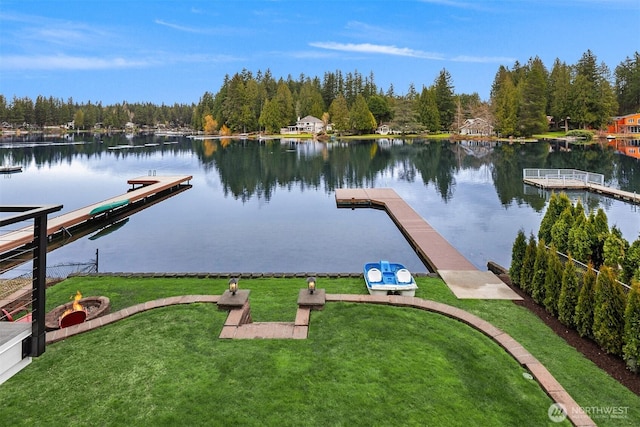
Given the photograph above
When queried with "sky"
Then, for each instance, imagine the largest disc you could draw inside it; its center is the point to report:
(174, 51)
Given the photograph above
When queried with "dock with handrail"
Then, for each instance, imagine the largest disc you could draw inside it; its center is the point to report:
(141, 189)
(462, 277)
(571, 179)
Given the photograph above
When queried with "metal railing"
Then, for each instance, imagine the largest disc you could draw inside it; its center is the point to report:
(564, 174)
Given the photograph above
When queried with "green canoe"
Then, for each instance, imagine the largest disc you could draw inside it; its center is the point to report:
(108, 206)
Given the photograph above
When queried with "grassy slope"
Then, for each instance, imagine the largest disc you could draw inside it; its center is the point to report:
(443, 371)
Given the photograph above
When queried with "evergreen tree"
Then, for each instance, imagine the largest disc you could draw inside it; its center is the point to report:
(528, 265)
(568, 300)
(443, 88)
(600, 232)
(593, 98)
(608, 312)
(557, 204)
(532, 117)
(627, 85)
(504, 103)
(284, 100)
(428, 110)
(560, 93)
(518, 252)
(380, 108)
(560, 230)
(614, 248)
(631, 348)
(539, 273)
(579, 242)
(586, 302)
(270, 118)
(552, 281)
(362, 121)
(631, 263)
(339, 114)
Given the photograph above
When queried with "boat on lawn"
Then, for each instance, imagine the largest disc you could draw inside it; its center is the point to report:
(389, 278)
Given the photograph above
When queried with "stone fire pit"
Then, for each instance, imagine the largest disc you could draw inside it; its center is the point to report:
(94, 307)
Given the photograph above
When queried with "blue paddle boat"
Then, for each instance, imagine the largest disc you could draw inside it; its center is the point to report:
(389, 278)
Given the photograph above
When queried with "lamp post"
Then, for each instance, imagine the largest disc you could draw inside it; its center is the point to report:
(311, 284)
(566, 124)
(233, 286)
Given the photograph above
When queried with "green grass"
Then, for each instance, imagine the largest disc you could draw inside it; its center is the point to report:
(361, 365)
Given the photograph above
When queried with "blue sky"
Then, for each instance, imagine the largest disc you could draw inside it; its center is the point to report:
(174, 51)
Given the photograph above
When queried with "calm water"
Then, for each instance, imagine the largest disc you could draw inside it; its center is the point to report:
(270, 206)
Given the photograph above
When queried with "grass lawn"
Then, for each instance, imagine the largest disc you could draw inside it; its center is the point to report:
(361, 365)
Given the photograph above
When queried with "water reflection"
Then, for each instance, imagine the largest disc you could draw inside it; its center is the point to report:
(471, 192)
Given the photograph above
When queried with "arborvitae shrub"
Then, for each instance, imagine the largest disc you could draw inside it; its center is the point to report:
(614, 248)
(552, 281)
(560, 230)
(539, 273)
(608, 312)
(586, 301)
(528, 265)
(557, 204)
(568, 294)
(631, 262)
(631, 348)
(517, 257)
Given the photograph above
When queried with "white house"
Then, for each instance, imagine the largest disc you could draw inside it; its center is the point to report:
(476, 127)
(308, 124)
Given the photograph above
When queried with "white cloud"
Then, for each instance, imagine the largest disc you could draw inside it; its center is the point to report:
(376, 49)
(405, 51)
(66, 62)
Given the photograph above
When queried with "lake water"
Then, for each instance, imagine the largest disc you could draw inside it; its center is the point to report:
(270, 206)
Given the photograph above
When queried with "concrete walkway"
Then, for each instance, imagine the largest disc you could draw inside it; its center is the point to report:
(239, 325)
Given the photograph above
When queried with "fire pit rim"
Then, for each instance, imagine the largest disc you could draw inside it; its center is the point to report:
(103, 303)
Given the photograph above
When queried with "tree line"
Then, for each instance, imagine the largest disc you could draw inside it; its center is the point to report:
(592, 302)
(522, 100)
(26, 113)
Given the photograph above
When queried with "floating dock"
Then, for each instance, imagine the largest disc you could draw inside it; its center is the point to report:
(462, 277)
(142, 188)
(571, 179)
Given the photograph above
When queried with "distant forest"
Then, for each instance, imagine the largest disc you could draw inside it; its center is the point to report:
(524, 99)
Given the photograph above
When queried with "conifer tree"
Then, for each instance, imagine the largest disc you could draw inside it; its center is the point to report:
(631, 348)
(568, 299)
(557, 204)
(552, 281)
(560, 230)
(631, 263)
(614, 248)
(600, 231)
(608, 313)
(517, 257)
(586, 302)
(528, 265)
(539, 273)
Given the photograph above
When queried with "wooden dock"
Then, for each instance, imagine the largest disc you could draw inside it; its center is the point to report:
(141, 189)
(462, 277)
(561, 179)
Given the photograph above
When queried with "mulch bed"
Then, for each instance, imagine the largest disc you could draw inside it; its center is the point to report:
(612, 365)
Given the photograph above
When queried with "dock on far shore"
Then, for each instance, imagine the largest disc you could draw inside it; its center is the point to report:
(142, 188)
(572, 179)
